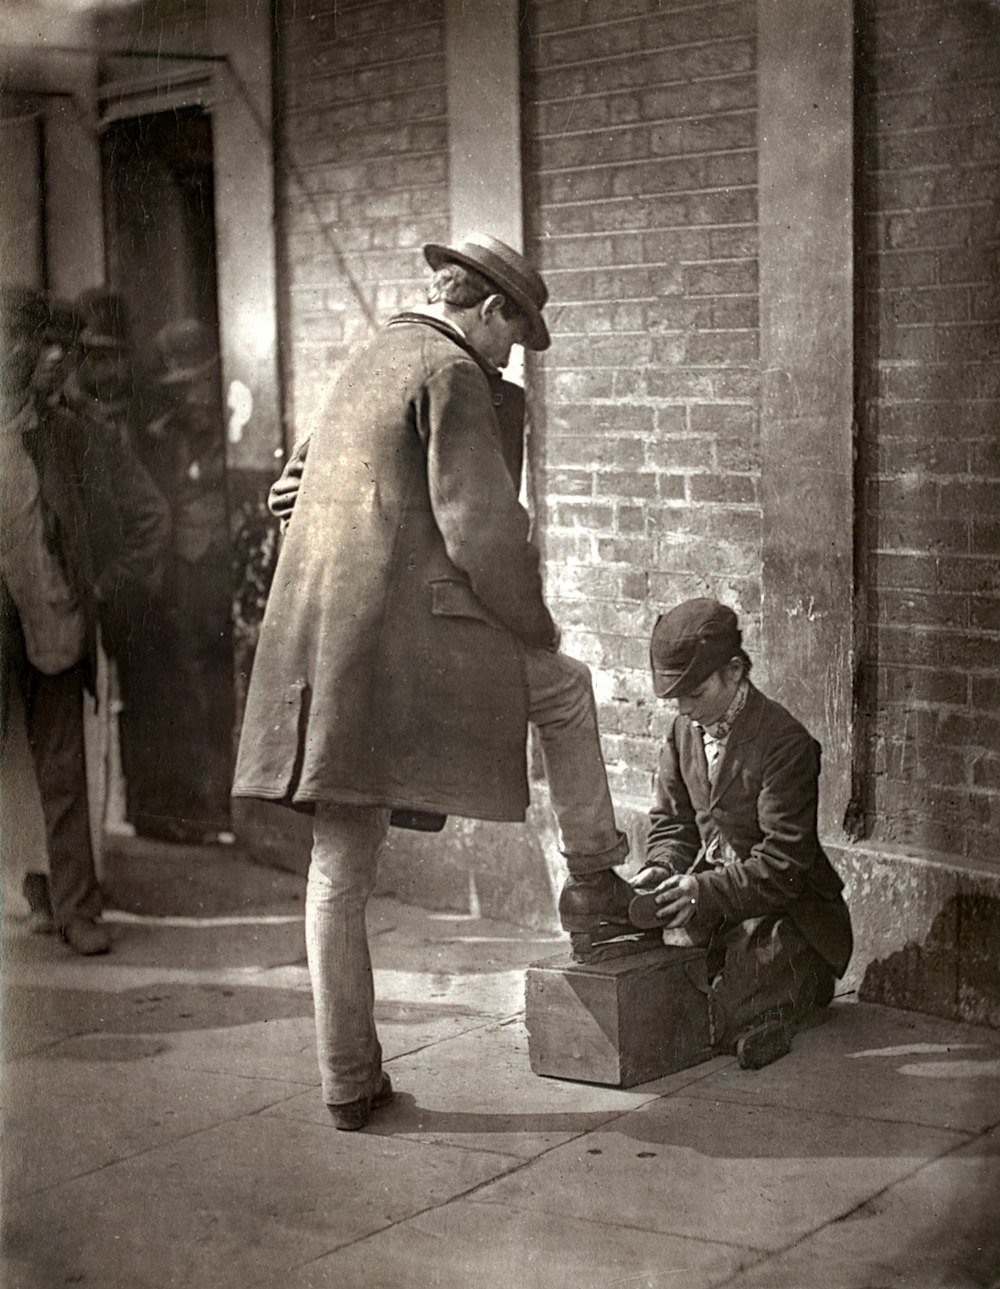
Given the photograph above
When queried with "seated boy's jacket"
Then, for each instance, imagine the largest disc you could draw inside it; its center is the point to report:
(763, 804)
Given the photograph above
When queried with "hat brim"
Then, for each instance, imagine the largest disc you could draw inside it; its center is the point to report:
(94, 340)
(185, 375)
(538, 337)
(675, 684)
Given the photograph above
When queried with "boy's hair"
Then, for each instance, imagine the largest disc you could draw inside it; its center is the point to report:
(744, 658)
(464, 287)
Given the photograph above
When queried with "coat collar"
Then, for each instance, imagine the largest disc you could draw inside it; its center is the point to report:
(745, 727)
(451, 331)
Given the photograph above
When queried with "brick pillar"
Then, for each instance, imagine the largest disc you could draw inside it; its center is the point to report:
(484, 118)
(484, 125)
(805, 132)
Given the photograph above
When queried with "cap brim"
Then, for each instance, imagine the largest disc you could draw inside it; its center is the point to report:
(675, 684)
(538, 337)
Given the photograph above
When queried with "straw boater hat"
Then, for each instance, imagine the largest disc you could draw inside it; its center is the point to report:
(507, 269)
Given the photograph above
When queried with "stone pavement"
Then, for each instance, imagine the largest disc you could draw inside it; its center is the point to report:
(163, 1124)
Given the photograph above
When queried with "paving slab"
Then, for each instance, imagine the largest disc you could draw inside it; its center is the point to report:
(467, 1244)
(876, 1063)
(754, 1176)
(283, 1049)
(140, 1005)
(937, 1229)
(477, 1092)
(165, 1127)
(242, 1204)
(65, 1117)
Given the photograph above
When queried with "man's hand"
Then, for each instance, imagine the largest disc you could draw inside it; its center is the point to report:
(676, 896)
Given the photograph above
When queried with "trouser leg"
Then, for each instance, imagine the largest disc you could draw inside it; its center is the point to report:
(766, 971)
(562, 709)
(346, 845)
(54, 714)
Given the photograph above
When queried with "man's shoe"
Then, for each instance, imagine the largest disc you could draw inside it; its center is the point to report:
(763, 1044)
(588, 899)
(349, 1116)
(87, 937)
(593, 908)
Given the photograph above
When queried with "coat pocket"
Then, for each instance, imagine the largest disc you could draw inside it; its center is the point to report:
(451, 598)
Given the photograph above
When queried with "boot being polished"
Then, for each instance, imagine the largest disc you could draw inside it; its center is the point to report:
(593, 908)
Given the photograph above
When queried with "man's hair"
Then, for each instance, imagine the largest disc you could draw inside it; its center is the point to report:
(464, 287)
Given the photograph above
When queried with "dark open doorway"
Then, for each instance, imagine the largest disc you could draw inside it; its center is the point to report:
(158, 176)
(176, 680)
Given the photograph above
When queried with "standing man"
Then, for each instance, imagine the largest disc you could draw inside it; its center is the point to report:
(406, 643)
(178, 756)
(82, 531)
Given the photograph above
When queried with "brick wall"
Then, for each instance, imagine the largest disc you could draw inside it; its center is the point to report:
(930, 90)
(363, 158)
(640, 176)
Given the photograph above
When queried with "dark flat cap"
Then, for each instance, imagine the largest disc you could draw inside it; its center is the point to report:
(102, 319)
(689, 643)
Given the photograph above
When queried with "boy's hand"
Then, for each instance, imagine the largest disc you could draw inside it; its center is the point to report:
(651, 878)
(678, 900)
(675, 896)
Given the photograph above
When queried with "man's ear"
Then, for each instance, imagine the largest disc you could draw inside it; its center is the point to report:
(491, 305)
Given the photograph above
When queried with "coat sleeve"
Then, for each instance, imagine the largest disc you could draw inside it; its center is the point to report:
(774, 874)
(475, 506)
(673, 840)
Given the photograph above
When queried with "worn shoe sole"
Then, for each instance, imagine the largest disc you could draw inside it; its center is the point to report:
(351, 1116)
(642, 911)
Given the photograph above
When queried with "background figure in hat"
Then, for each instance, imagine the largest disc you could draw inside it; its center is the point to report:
(406, 643)
(82, 531)
(103, 383)
(733, 861)
(55, 371)
(178, 701)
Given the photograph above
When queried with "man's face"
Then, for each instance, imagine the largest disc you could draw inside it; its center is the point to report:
(104, 373)
(708, 702)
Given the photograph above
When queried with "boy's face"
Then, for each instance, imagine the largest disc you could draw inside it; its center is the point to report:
(707, 703)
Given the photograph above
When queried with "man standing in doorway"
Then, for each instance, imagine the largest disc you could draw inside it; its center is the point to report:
(406, 643)
(82, 534)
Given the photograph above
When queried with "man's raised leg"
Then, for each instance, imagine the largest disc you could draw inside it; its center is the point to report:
(593, 904)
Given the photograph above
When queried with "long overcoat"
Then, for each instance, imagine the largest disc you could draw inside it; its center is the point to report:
(389, 667)
(763, 804)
